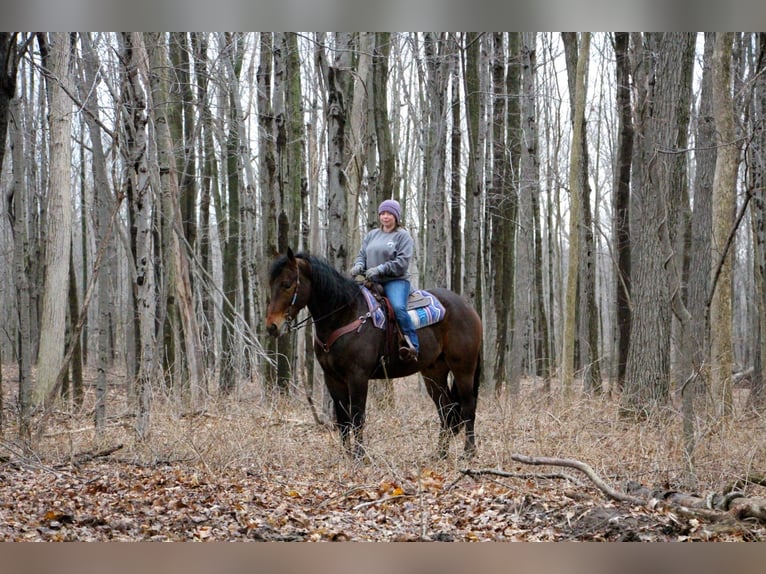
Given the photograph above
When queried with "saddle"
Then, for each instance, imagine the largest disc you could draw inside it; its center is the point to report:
(422, 306)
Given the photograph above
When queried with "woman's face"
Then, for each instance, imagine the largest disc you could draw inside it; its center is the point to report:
(387, 220)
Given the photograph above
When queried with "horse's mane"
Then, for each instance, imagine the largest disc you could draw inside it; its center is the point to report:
(336, 289)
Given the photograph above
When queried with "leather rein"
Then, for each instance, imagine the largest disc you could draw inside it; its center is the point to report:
(355, 325)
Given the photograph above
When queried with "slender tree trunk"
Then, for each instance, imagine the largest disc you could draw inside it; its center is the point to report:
(141, 207)
(231, 243)
(724, 198)
(21, 257)
(209, 181)
(338, 93)
(523, 292)
(473, 182)
(456, 235)
(188, 345)
(756, 178)
(695, 336)
(575, 197)
(53, 318)
(621, 206)
(501, 193)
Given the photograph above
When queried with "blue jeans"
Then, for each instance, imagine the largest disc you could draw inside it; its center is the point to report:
(398, 291)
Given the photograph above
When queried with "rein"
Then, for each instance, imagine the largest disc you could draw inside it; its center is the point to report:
(354, 325)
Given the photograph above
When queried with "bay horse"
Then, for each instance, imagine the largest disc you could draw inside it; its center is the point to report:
(351, 350)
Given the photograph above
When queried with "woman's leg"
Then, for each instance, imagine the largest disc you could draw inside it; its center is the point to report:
(397, 292)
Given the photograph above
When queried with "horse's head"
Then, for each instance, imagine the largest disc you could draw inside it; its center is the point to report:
(289, 289)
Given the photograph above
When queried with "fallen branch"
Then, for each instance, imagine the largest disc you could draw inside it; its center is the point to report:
(89, 455)
(582, 467)
(715, 507)
(523, 475)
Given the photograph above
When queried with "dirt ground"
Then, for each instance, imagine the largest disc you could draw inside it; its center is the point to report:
(249, 468)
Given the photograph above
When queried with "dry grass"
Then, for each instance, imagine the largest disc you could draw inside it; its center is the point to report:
(249, 433)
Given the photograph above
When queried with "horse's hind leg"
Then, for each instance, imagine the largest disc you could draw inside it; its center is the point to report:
(435, 380)
(464, 393)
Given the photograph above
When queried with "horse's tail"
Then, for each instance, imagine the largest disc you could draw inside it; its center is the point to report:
(477, 375)
(454, 417)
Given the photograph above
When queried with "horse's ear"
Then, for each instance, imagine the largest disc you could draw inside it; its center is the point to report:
(290, 255)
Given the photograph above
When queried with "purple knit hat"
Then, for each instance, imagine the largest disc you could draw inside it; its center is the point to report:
(392, 206)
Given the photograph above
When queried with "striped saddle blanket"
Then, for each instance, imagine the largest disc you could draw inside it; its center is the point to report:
(423, 307)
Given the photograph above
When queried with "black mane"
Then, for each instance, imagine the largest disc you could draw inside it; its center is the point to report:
(333, 290)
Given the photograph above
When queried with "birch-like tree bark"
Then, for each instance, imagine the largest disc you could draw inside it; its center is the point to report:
(337, 82)
(137, 190)
(186, 343)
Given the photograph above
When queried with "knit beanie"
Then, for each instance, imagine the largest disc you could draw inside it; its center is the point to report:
(392, 206)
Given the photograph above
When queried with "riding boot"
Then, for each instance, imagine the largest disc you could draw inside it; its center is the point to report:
(408, 353)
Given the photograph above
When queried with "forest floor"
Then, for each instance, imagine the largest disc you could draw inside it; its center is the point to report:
(248, 468)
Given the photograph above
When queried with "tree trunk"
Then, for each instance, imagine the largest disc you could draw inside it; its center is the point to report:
(231, 243)
(209, 182)
(502, 193)
(437, 65)
(141, 206)
(473, 182)
(660, 70)
(337, 81)
(756, 178)
(179, 289)
(528, 188)
(695, 337)
(575, 197)
(724, 203)
(621, 206)
(456, 235)
(59, 233)
(19, 208)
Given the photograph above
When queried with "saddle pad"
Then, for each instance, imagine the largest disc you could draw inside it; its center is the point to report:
(423, 307)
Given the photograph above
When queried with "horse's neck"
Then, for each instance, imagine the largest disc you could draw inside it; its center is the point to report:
(328, 316)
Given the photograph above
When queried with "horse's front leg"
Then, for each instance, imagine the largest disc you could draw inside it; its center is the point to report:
(358, 402)
(340, 399)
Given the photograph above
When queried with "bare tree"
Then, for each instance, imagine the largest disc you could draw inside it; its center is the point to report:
(756, 161)
(660, 65)
(59, 232)
(137, 190)
(576, 167)
(621, 204)
(724, 184)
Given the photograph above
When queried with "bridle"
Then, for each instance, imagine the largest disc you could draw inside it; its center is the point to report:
(288, 316)
(291, 323)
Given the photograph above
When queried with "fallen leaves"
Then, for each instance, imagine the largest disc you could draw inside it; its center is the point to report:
(101, 501)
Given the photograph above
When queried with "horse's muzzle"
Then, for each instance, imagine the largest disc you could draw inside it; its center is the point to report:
(277, 327)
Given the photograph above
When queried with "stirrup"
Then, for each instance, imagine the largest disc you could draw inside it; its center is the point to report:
(408, 354)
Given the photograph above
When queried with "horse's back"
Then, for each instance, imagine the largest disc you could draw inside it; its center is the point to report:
(457, 308)
(461, 327)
